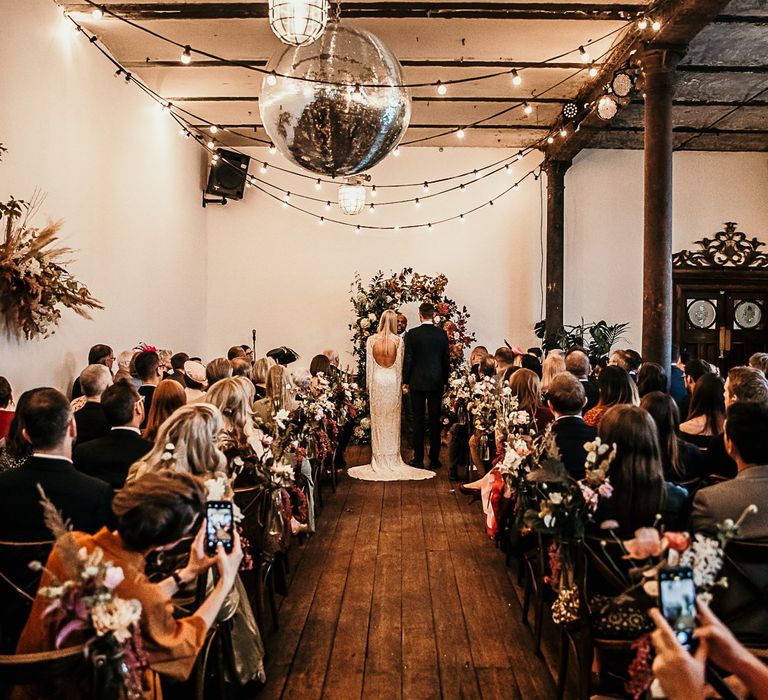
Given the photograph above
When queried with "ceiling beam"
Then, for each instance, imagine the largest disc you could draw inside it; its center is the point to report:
(679, 27)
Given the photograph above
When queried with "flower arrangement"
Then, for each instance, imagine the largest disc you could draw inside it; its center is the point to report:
(34, 283)
(86, 603)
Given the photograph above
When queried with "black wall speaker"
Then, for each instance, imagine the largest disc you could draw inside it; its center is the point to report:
(228, 173)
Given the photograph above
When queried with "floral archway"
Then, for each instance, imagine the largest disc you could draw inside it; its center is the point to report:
(392, 292)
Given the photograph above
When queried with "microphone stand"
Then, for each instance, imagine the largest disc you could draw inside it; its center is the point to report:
(253, 335)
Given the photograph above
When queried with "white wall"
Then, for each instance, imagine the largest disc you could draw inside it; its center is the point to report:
(604, 223)
(125, 183)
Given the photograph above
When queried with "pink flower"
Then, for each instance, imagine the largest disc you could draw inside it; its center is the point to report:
(113, 577)
(679, 541)
(590, 496)
(647, 543)
(605, 490)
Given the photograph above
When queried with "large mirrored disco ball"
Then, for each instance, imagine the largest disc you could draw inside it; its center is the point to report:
(329, 129)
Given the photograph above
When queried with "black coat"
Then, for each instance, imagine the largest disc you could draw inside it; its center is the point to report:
(110, 457)
(91, 422)
(715, 460)
(85, 501)
(427, 364)
(592, 392)
(147, 391)
(571, 432)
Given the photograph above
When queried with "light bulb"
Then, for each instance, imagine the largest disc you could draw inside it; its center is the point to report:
(417, 203)
(516, 186)
(287, 196)
(397, 152)
(508, 169)
(461, 218)
(476, 174)
(371, 209)
(563, 132)
(213, 128)
(592, 71)
(460, 133)
(642, 24)
(397, 228)
(357, 228)
(516, 79)
(374, 193)
(327, 206)
(321, 220)
(441, 89)
(272, 149)
(425, 186)
(656, 26)
(186, 56)
(263, 168)
(318, 185)
(462, 187)
(211, 144)
(272, 79)
(527, 108)
(583, 55)
(429, 226)
(550, 139)
(215, 158)
(98, 13)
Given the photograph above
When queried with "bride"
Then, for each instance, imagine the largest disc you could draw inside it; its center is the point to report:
(384, 371)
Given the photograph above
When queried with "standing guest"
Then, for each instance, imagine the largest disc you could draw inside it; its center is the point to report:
(6, 412)
(98, 355)
(124, 364)
(402, 324)
(90, 419)
(194, 373)
(677, 374)
(694, 370)
(235, 351)
(615, 388)
(681, 460)
(150, 372)
(553, 365)
(707, 411)
(566, 399)
(651, 377)
(16, 449)
(759, 361)
(216, 369)
(743, 385)
(168, 396)
(108, 458)
(165, 362)
(51, 430)
(577, 363)
(177, 368)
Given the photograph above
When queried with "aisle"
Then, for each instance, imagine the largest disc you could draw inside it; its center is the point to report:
(400, 595)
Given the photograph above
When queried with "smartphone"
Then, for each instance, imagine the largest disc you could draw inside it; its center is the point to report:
(219, 526)
(677, 599)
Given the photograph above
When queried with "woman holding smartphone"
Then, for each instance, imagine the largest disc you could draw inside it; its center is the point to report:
(153, 514)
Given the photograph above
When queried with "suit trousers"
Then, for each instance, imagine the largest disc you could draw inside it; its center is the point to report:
(423, 402)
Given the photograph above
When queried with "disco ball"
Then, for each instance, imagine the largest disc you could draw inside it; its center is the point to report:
(335, 129)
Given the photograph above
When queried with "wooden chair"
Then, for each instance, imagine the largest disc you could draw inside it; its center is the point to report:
(534, 563)
(47, 673)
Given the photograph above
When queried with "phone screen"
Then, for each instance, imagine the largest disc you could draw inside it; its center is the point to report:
(677, 596)
(219, 526)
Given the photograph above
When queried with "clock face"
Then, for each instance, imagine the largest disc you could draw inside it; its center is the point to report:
(702, 313)
(622, 84)
(748, 314)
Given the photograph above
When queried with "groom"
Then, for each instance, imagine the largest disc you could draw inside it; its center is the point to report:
(425, 374)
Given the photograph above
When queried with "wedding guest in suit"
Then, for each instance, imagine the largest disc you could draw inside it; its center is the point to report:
(90, 419)
(553, 365)
(108, 458)
(168, 396)
(98, 355)
(615, 388)
(6, 412)
(577, 363)
(694, 370)
(194, 373)
(707, 411)
(177, 368)
(425, 373)
(150, 372)
(566, 399)
(677, 374)
(216, 369)
(681, 460)
(759, 360)
(51, 430)
(745, 385)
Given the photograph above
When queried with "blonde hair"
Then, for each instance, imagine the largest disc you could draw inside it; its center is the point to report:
(218, 369)
(194, 432)
(261, 369)
(388, 323)
(553, 365)
(278, 387)
(229, 396)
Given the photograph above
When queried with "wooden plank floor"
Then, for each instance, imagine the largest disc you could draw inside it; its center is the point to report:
(400, 594)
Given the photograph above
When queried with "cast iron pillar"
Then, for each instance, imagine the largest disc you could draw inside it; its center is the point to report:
(555, 171)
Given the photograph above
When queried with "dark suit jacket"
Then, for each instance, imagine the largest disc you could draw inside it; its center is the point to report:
(715, 460)
(571, 432)
(427, 364)
(592, 392)
(86, 501)
(147, 391)
(91, 422)
(77, 391)
(677, 384)
(110, 457)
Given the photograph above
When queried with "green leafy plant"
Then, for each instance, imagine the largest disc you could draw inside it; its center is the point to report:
(596, 337)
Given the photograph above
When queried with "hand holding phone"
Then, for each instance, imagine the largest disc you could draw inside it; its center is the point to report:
(677, 600)
(219, 526)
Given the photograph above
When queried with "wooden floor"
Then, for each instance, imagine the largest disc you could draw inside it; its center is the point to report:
(401, 595)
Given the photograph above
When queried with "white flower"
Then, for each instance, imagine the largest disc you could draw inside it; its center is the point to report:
(549, 520)
(238, 461)
(170, 447)
(117, 616)
(281, 417)
(591, 457)
(216, 488)
(372, 316)
(521, 418)
(437, 319)
(113, 577)
(365, 323)
(556, 497)
(506, 390)
(705, 557)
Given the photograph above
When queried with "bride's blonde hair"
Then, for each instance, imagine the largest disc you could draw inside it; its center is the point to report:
(388, 323)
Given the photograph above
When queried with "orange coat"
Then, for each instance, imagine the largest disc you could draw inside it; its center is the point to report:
(171, 644)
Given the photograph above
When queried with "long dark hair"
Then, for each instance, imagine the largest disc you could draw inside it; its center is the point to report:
(616, 387)
(708, 400)
(663, 409)
(651, 377)
(16, 446)
(636, 472)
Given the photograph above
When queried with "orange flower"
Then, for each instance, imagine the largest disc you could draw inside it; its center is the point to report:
(647, 543)
(679, 541)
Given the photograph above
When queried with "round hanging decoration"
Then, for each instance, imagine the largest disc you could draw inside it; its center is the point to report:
(623, 83)
(607, 108)
(352, 197)
(298, 22)
(342, 128)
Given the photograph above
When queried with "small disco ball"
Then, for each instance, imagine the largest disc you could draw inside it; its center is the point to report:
(342, 128)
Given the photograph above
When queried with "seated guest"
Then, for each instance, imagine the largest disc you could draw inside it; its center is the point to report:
(693, 371)
(51, 430)
(241, 367)
(229, 396)
(279, 394)
(746, 428)
(6, 412)
(707, 411)
(577, 363)
(745, 385)
(635, 360)
(615, 388)
(599, 363)
(505, 358)
(536, 352)
(124, 365)
(651, 377)
(487, 367)
(681, 461)
(639, 489)
(677, 374)
(194, 377)
(177, 368)
(553, 365)
(152, 516)
(259, 375)
(236, 351)
(16, 449)
(532, 363)
(169, 396)
(108, 458)
(150, 371)
(216, 369)
(759, 361)
(90, 419)
(320, 363)
(248, 350)
(477, 354)
(332, 355)
(526, 387)
(566, 399)
(620, 358)
(98, 355)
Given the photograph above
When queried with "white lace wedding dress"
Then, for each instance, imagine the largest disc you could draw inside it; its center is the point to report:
(385, 397)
